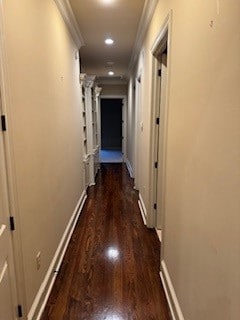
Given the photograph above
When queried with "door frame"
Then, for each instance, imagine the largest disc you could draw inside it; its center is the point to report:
(124, 118)
(6, 106)
(138, 106)
(6, 224)
(139, 91)
(158, 47)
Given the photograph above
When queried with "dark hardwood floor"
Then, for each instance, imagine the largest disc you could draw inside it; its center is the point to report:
(111, 268)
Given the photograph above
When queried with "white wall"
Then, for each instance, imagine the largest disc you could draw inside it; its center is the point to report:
(201, 237)
(45, 130)
(113, 89)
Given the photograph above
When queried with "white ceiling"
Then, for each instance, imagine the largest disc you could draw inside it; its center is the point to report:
(99, 19)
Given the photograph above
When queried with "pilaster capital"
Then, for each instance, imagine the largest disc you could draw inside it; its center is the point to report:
(82, 78)
(89, 81)
(97, 91)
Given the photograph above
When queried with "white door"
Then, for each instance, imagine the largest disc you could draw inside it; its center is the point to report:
(138, 115)
(8, 306)
(161, 141)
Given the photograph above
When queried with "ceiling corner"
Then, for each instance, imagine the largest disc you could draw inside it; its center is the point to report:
(68, 16)
(147, 14)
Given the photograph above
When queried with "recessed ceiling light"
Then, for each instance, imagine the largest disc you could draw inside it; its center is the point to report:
(110, 73)
(109, 41)
(107, 2)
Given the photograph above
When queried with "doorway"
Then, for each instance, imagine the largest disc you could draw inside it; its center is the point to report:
(160, 137)
(160, 51)
(8, 295)
(111, 130)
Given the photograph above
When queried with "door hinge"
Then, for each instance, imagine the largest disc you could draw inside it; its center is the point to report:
(159, 72)
(19, 311)
(12, 223)
(3, 122)
(157, 120)
(155, 165)
(155, 206)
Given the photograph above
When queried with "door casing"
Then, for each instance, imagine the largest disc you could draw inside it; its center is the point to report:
(6, 109)
(8, 289)
(124, 118)
(159, 144)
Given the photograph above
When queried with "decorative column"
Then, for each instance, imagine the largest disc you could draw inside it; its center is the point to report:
(82, 79)
(97, 129)
(89, 83)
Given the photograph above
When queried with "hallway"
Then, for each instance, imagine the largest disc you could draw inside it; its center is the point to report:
(111, 267)
(175, 65)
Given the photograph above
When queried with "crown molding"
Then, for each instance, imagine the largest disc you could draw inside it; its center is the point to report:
(147, 14)
(68, 16)
(112, 80)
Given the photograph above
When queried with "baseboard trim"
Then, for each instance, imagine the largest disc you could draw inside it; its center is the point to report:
(159, 234)
(44, 291)
(142, 209)
(172, 299)
(129, 167)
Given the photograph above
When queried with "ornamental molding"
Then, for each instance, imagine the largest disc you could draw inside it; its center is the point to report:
(65, 9)
(98, 91)
(89, 81)
(147, 14)
(82, 78)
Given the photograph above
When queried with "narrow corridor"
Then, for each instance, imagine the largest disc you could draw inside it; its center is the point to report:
(111, 268)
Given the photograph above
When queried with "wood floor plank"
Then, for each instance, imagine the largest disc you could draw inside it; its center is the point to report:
(111, 268)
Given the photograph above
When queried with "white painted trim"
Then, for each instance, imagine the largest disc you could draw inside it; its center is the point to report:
(3, 227)
(142, 212)
(47, 284)
(6, 108)
(164, 30)
(112, 96)
(153, 144)
(95, 150)
(86, 158)
(142, 209)
(124, 128)
(68, 16)
(112, 80)
(148, 11)
(2, 274)
(171, 296)
(159, 234)
(167, 296)
(135, 135)
(129, 167)
(92, 184)
(89, 82)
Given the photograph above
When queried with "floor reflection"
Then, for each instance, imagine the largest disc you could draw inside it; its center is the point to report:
(113, 254)
(111, 156)
(110, 316)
